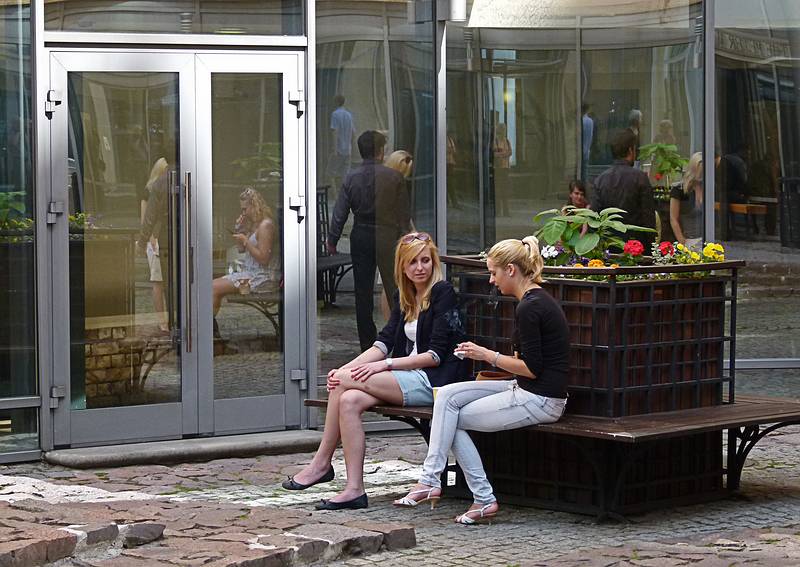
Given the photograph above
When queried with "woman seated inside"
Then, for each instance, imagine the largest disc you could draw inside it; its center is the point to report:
(257, 237)
(536, 393)
(413, 354)
(686, 206)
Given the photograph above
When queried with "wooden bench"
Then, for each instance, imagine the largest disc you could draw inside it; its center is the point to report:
(749, 210)
(268, 303)
(747, 421)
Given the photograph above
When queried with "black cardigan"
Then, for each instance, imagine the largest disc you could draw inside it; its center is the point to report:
(439, 329)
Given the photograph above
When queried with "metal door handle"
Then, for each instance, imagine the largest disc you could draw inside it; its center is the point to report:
(189, 264)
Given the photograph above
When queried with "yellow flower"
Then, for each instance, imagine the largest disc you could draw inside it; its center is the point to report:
(695, 256)
(596, 264)
(578, 265)
(681, 247)
(614, 266)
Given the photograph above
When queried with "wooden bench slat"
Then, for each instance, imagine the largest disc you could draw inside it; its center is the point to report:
(640, 428)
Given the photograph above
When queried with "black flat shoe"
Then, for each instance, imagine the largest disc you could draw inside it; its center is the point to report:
(290, 484)
(354, 504)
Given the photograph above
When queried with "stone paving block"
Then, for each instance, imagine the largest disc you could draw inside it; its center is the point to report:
(306, 550)
(97, 533)
(23, 553)
(343, 540)
(142, 533)
(60, 544)
(395, 536)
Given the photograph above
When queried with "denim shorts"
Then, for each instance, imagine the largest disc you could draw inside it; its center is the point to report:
(415, 386)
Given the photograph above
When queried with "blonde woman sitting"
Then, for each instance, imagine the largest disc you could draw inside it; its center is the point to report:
(536, 394)
(413, 353)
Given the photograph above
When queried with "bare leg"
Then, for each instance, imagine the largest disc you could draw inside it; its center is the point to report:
(352, 404)
(381, 387)
(158, 305)
(221, 287)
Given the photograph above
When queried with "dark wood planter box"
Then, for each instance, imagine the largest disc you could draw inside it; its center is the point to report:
(638, 346)
(557, 472)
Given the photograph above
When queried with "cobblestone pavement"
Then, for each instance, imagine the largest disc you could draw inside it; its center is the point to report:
(757, 526)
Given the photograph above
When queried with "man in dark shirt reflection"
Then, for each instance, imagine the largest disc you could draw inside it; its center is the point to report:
(626, 188)
(380, 203)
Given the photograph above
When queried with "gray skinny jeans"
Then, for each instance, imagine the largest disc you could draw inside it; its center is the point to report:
(487, 405)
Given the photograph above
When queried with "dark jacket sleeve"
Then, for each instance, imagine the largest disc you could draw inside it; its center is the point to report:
(389, 332)
(648, 203)
(341, 211)
(446, 321)
(530, 338)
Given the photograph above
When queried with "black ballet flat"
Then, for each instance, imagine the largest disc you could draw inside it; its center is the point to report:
(355, 504)
(290, 483)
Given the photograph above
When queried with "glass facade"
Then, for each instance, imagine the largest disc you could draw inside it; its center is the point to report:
(374, 71)
(18, 369)
(530, 108)
(757, 191)
(229, 17)
(531, 104)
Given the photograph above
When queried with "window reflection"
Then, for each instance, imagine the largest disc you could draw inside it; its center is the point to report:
(17, 283)
(374, 72)
(229, 17)
(758, 177)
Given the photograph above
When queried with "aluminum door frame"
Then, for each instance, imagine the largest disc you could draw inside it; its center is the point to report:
(256, 413)
(130, 423)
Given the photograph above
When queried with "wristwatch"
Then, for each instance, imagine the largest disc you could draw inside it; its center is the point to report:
(389, 362)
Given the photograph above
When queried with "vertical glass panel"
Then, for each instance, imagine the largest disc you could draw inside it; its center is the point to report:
(230, 17)
(758, 173)
(247, 166)
(19, 430)
(17, 284)
(124, 305)
(534, 100)
(374, 72)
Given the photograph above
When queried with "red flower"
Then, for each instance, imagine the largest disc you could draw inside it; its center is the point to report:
(633, 247)
(658, 176)
(666, 248)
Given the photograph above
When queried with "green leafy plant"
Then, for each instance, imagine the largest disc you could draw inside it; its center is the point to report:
(266, 162)
(603, 229)
(665, 160)
(12, 205)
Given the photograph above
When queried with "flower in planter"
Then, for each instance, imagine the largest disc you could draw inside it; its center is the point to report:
(666, 248)
(633, 247)
(549, 252)
(714, 252)
(596, 263)
(577, 265)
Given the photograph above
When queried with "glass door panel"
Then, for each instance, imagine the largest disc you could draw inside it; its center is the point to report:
(123, 134)
(247, 187)
(251, 243)
(122, 149)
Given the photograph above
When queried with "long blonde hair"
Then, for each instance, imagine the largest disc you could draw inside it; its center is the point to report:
(694, 172)
(522, 253)
(254, 199)
(403, 255)
(159, 167)
(400, 160)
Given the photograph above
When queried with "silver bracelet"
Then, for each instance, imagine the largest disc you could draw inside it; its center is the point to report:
(496, 356)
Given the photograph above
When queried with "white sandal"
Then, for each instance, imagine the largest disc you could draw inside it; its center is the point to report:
(484, 516)
(408, 502)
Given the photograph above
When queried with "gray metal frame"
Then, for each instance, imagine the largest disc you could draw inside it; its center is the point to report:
(198, 412)
(257, 413)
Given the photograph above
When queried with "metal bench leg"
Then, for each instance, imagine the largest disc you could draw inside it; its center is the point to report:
(741, 441)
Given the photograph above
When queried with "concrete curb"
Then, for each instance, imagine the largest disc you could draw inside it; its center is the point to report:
(185, 450)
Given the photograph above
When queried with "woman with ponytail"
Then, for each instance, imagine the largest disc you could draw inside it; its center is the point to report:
(535, 393)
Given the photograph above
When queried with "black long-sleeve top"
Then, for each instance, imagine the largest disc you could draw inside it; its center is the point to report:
(541, 337)
(378, 198)
(439, 329)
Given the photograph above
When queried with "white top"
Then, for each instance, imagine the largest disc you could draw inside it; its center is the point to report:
(411, 334)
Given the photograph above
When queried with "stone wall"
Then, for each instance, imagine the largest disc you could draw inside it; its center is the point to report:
(113, 364)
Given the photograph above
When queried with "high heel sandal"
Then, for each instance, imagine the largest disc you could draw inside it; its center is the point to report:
(408, 502)
(483, 516)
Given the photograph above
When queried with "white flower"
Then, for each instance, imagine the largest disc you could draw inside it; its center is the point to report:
(549, 252)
